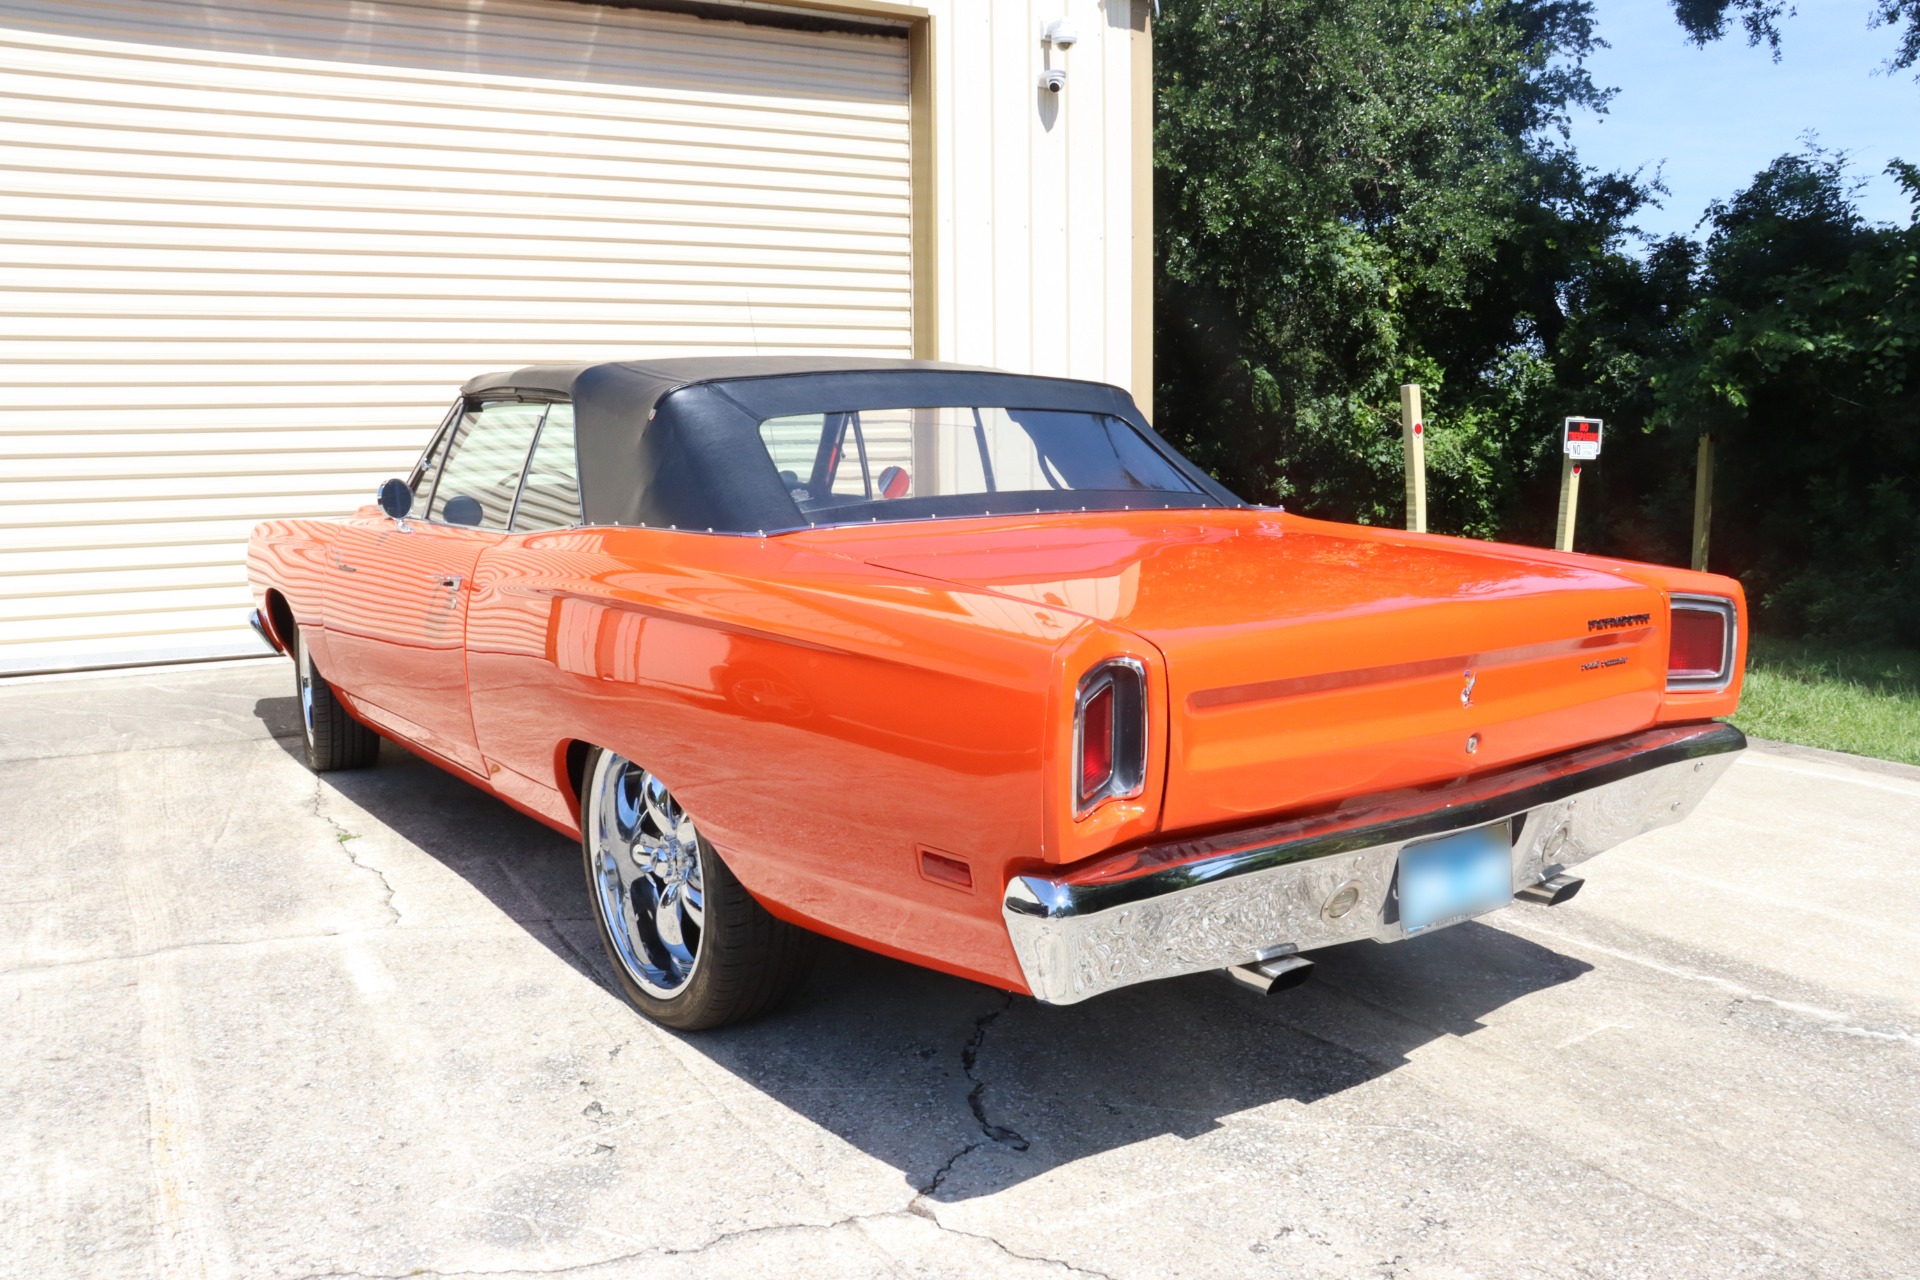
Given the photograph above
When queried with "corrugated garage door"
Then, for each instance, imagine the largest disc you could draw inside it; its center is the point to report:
(249, 250)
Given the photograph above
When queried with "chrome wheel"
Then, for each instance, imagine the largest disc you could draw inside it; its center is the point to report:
(646, 876)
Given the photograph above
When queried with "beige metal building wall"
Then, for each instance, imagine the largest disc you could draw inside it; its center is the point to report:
(249, 248)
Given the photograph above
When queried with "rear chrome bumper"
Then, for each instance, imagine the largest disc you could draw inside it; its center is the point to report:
(1215, 901)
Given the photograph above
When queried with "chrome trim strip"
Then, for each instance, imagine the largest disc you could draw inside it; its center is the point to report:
(1213, 902)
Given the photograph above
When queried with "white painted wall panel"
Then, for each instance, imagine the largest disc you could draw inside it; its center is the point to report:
(1036, 193)
(248, 252)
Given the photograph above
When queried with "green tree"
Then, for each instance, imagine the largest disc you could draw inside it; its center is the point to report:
(1802, 352)
(1705, 21)
(1357, 193)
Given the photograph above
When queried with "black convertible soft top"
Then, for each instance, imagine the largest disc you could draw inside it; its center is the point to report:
(676, 442)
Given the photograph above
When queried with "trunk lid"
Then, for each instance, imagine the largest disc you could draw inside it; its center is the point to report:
(1309, 662)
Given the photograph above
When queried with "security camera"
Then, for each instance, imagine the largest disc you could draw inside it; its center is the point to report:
(1053, 80)
(1061, 32)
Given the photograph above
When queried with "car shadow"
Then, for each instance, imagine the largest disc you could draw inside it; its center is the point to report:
(967, 1090)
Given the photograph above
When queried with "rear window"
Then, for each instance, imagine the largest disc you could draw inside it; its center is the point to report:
(885, 464)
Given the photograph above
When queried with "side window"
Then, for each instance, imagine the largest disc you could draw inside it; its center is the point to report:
(484, 461)
(550, 499)
(428, 467)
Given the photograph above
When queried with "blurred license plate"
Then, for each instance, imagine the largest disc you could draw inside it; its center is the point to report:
(1456, 876)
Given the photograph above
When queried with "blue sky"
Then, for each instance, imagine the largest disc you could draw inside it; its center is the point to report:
(1717, 115)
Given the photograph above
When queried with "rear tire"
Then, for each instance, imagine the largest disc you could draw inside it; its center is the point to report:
(335, 740)
(690, 947)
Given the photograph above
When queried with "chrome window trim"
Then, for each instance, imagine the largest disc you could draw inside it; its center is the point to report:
(1723, 606)
(476, 403)
(526, 467)
(1116, 786)
(442, 432)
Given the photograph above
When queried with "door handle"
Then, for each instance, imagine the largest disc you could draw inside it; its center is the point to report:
(451, 582)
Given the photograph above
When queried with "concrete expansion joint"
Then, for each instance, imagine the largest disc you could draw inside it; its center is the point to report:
(345, 838)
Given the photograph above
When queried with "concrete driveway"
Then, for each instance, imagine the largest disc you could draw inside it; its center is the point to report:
(262, 1024)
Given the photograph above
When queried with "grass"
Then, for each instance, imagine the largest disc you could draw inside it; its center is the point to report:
(1818, 694)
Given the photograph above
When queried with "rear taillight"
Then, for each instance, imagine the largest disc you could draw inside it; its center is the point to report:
(1700, 643)
(1096, 741)
(1110, 733)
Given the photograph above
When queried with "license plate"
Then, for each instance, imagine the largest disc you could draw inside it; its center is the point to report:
(1456, 876)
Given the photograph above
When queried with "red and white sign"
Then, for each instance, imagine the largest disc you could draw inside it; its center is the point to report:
(1583, 438)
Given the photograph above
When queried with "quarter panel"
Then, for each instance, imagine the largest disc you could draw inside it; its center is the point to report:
(289, 556)
(821, 720)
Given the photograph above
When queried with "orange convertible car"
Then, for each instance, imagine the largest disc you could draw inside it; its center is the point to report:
(974, 670)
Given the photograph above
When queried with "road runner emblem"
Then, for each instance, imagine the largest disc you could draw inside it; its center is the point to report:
(1466, 690)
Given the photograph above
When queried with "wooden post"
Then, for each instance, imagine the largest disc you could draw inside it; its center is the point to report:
(1702, 500)
(1413, 432)
(1569, 501)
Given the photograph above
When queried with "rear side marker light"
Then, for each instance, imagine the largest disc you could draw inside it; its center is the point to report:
(942, 869)
(1110, 734)
(1700, 643)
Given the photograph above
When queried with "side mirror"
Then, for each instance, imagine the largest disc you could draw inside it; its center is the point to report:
(394, 498)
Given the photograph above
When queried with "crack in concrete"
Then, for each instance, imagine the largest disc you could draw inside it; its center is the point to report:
(9, 759)
(345, 839)
(976, 1099)
(976, 1103)
(1062, 1263)
(918, 1206)
(724, 1238)
(775, 1228)
(939, 1176)
(859, 1218)
(125, 957)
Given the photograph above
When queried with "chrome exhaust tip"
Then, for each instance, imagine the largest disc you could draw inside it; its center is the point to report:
(1269, 976)
(1553, 892)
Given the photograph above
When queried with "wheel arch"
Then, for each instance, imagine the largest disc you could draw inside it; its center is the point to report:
(570, 769)
(279, 617)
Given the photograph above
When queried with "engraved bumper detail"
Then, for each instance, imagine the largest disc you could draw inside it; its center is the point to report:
(1209, 903)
